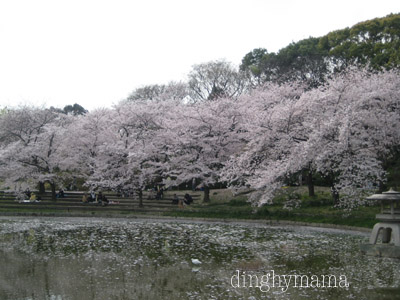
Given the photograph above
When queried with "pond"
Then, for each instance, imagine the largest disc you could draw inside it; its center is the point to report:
(74, 258)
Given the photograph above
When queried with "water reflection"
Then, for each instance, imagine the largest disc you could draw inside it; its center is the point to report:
(119, 259)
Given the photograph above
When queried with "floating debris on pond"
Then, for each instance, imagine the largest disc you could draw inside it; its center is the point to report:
(136, 259)
(195, 261)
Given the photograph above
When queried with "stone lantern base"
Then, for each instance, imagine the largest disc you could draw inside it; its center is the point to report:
(389, 231)
(381, 250)
(388, 227)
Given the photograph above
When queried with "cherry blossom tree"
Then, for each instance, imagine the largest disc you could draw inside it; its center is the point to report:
(202, 139)
(85, 137)
(342, 130)
(32, 146)
(132, 157)
(272, 129)
(356, 128)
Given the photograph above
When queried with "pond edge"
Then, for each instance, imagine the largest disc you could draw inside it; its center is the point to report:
(206, 220)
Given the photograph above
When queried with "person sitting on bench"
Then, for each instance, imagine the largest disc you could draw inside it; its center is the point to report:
(188, 199)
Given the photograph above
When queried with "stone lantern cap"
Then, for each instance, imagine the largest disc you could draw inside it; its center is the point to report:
(391, 214)
(389, 195)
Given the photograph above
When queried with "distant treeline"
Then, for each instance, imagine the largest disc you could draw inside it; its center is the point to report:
(374, 43)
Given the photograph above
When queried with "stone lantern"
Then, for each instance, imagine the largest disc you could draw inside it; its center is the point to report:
(388, 226)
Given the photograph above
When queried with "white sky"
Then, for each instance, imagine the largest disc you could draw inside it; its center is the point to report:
(96, 52)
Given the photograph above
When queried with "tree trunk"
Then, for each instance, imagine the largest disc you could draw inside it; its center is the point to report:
(53, 191)
(42, 189)
(140, 194)
(335, 195)
(206, 197)
(381, 187)
(193, 184)
(300, 179)
(310, 184)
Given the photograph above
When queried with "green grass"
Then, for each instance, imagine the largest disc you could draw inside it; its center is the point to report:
(225, 205)
(318, 209)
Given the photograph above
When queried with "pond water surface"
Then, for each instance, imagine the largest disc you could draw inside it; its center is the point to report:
(74, 258)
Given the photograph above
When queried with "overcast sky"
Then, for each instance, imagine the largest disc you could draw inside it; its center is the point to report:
(96, 52)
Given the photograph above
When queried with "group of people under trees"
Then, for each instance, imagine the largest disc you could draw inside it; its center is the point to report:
(157, 193)
(160, 194)
(35, 197)
(93, 198)
(182, 202)
(31, 197)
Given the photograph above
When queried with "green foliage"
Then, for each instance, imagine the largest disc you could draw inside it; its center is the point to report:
(302, 61)
(323, 199)
(253, 60)
(238, 202)
(3, 110)
(374, 43)
(318, 209)
(75, 109)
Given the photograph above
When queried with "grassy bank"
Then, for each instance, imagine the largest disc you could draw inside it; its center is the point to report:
(318, 209)
(225, 205)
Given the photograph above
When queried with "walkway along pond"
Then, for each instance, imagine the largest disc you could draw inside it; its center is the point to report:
(77, 258)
